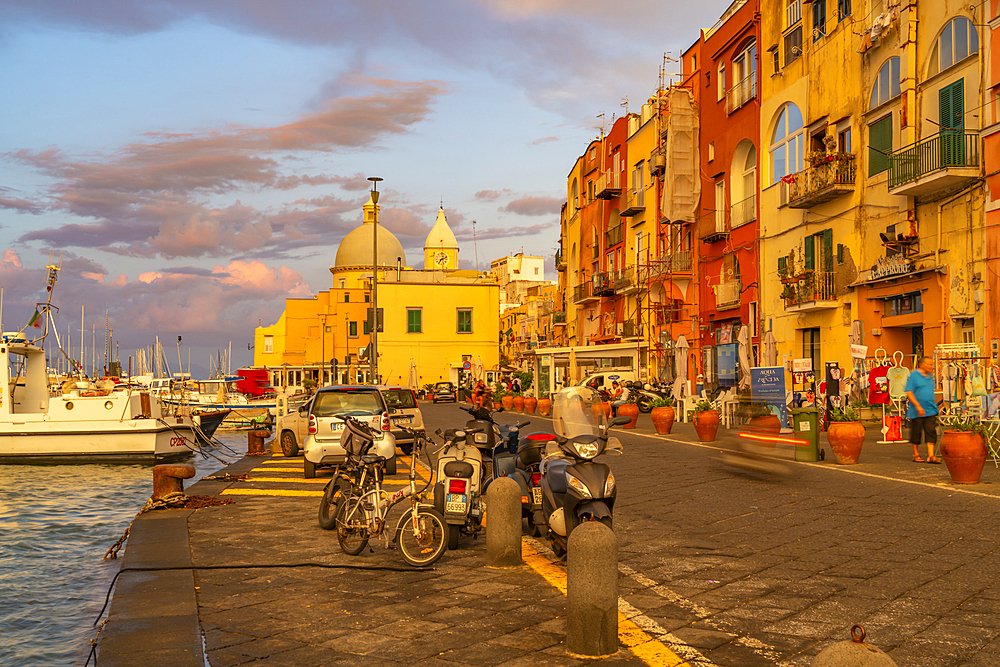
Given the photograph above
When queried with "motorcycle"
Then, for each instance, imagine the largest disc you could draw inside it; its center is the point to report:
(647, 393)
(458, 494)
(575, 488)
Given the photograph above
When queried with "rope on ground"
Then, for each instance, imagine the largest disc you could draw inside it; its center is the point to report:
(227, 477)
(175, 500)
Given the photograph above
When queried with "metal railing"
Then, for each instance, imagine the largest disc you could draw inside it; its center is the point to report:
(608, 184)
(560, 260)
(635, 202)
(812, 286)
(741, 93)
(614, 236)
(623, 278)
(713, 226)
(744, 211)
(825, 171)
(604, 283)
(947, 148)
(583, 291)
(728, 293)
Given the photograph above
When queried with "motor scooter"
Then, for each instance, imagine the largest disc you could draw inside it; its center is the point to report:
(458, 494)
(575, 488)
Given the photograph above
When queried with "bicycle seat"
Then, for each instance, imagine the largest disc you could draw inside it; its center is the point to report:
(372, 458)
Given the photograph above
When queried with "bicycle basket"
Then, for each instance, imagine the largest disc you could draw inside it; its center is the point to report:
(355, 441)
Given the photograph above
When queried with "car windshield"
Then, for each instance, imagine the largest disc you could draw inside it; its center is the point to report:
(399, 398)
(329, 403)
(442, 386)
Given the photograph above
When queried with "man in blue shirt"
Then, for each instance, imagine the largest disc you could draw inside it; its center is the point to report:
(922, 409)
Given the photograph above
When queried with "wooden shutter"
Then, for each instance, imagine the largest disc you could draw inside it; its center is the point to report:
(827, 250)
(951, 101)
(880, 145)
(810, 246)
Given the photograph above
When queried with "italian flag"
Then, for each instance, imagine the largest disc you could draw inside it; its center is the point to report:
(34, 321)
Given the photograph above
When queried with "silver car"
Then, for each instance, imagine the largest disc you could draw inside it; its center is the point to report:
(363, 402)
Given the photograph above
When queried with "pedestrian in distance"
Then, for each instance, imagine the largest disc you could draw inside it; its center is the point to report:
(922, 410)
(515, 385)
(619, 396)
(479, 394)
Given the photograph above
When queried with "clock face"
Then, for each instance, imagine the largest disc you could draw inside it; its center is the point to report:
(441, 258)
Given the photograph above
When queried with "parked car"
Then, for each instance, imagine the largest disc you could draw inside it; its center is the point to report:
(363, 402)
(292, 429)
(444, 391)
(403, 411)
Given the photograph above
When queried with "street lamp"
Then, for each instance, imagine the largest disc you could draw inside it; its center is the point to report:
(373, 343)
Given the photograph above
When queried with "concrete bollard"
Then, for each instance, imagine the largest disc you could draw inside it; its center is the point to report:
(855, 653)
(255, 443)
(169, 478)
(503, 525)
(592, 591)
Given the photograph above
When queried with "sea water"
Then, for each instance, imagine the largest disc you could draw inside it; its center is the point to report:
(56, 523)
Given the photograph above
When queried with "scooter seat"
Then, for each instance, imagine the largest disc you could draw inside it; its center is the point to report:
(372, 458)
(554, 470)
(461, 469)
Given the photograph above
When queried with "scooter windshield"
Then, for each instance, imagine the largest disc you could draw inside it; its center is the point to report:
(578, 411)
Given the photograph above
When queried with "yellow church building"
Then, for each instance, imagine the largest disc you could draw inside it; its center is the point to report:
(439, 323)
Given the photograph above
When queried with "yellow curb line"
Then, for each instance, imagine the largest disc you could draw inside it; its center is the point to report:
(643, 646)
(293, 480)
(269, 492)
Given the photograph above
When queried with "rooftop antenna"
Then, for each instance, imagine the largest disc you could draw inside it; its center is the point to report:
(625, 104)
(601, 116)
(474, 246)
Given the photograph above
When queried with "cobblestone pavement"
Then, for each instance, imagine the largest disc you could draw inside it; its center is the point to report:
(722, 564)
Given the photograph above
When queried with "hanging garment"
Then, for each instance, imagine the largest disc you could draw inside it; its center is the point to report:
(897, 376)
(978, 384)
(993, 405)
(878, 386)
(894, 427)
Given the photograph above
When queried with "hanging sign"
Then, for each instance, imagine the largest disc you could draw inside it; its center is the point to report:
(859, 351)
(802, 365)
(890, 266)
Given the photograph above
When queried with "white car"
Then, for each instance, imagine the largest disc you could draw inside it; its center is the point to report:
(363, 402)
(403, 412)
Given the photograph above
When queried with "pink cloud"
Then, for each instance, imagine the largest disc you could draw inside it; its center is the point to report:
(533, 206)
(490, 195)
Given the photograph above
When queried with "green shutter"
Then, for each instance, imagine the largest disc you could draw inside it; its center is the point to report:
(828, 250)
(810, 253)
(879, 145)
(782, 263)
(951, 110)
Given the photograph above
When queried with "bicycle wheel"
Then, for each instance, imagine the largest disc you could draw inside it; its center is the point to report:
(330, 503)
(423, 543)
(352, 534)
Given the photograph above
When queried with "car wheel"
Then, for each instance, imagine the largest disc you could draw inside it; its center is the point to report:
(289, 447)
(308, 469)
(390, 466)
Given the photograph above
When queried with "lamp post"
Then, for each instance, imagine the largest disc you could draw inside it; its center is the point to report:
(373, 344)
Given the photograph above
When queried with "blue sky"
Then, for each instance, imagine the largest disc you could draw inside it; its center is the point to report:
(197, 162)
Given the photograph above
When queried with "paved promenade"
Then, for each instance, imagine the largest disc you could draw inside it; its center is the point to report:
(720, 564)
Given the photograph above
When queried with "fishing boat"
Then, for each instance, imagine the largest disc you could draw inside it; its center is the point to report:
(81, 424)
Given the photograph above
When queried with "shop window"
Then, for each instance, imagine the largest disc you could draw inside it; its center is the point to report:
(904, 304)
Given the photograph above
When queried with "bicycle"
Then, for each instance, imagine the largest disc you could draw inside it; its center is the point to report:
(421, 534)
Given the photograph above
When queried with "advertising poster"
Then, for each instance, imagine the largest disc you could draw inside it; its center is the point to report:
(767, 385)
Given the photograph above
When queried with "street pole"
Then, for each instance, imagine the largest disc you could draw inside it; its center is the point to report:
(373, 344)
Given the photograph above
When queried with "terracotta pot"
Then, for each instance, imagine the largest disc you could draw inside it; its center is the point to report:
(519, 403)
(497, 405)
(544, 406)
(766, 424)
(598, 408)
(846, 439)
(706, 424)
(530, 403)
(663, 419)
(507, 401)
(631, 411)
(965, 454)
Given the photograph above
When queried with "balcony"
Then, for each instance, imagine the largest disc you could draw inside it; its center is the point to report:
(614, 236)
(604, 284)
(559, 318)
(560, 260)
(829, 177)
(584, 292)
(741, 93)
(657, 161)
(630, 329)
(744, 211)
(814, 290)
(609, 185)
(727, 294)
(635, 203)
(669, 265)
(946, 160)
(624, 280)
(713, 227)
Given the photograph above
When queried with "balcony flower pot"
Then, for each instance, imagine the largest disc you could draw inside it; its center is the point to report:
(663, 419)
(964, 452)
(630, 410)
(706, 421)
(544, 406)
(846, 439)
(519, 403)
(530, 403)
(507, 401)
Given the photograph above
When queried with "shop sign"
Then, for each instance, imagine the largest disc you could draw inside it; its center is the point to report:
(802, 365)
(891, 266)
(859, 351)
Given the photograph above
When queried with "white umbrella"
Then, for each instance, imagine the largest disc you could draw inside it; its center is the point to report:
(770, 350)
(743, 354)
(412, 380)
(680, 384)
(477, 368)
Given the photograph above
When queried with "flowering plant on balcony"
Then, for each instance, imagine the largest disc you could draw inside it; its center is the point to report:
(820, 157)
(788, 179)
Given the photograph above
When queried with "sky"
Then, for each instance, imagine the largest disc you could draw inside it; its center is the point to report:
(195, 162)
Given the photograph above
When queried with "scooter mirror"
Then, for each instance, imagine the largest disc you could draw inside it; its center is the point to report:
(614, 446)
(618, 421)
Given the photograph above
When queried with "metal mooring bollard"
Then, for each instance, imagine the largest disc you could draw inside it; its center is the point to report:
(169, 478)
(503, 524)
(855, 653)
(592, 590)
(255, 443)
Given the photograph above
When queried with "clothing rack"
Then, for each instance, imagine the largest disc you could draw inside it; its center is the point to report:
(881, 360)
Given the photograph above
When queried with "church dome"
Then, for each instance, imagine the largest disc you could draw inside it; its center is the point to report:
(356, 248)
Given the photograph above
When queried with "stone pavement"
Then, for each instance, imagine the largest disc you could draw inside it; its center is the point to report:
(724, 565)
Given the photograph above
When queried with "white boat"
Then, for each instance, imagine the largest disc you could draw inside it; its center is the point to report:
(81, 425)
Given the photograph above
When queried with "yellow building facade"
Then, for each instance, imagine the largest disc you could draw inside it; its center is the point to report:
(439, 323)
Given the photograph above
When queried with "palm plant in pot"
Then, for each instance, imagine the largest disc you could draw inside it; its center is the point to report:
(663, 415)
(963, 448)
(706, 420)
(846, 434)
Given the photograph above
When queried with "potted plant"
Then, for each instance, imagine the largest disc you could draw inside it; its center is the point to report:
(629, 409)
(663, 415)
(544, 404)
(760, 417)
(846, 434)
(518, 401)
(963, 448)
(706, 420)
(530, 402)
(506, 399)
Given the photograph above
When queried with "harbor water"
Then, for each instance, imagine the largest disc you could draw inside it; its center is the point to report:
(56, 523)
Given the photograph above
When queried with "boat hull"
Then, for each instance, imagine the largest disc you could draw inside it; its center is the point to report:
(128, 440)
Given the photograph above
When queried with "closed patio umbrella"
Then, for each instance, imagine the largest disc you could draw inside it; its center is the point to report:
(743, 355)
(680, 384)
(770, 350)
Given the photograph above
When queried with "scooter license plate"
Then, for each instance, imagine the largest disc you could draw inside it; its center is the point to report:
(536, 495)
(455, 502)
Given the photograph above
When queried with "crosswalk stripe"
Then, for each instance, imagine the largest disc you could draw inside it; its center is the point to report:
(270, 492)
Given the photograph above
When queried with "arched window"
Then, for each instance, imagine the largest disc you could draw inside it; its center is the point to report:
(576, 196)
(743, 184)
(786, 143)
(886, 83)
(957, 41)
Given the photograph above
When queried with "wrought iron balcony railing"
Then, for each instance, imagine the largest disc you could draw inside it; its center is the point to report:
(744, 211)
(741, 93)
(944, 150)
(614, 236)
(728, 293)
(828, 177)
(811, 286)
(635, 203)
(609, 185)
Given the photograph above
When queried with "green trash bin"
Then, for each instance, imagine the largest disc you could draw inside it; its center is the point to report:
(805, 425)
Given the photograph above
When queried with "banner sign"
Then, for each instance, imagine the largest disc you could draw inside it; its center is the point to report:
(767, 385)
(802, 365)
(859, 351)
